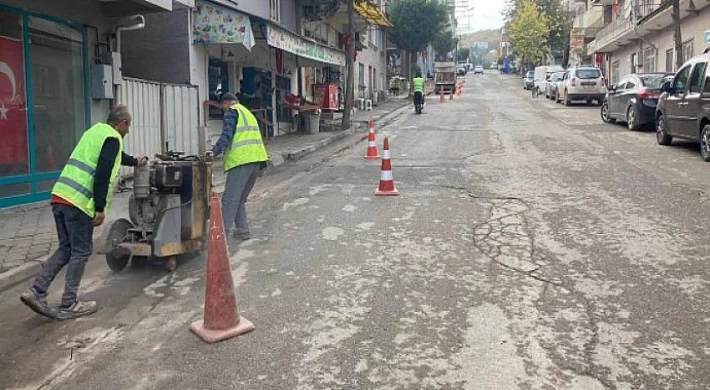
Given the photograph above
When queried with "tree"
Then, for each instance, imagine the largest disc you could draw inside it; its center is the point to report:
(677, 38)
(349, 67)
(558, 23)
(529, 32)
(443, 43)
(464, 54)
(415, 25)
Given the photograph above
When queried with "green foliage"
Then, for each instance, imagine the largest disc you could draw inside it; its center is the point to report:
(416, 23)
(443, 42)
(529, 31)
(557, 24)
(464, 54)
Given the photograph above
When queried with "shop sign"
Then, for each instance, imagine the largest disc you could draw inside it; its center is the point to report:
(212, 24)
(286, 41)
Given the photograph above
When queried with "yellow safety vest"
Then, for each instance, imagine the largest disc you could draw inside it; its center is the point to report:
(76, 183)
(247, 146)
(418, 84)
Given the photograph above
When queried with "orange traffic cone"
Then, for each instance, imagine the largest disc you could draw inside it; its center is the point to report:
(441, 95)
(386, 187)
(371, 145)
(221, 317)
(458, 90)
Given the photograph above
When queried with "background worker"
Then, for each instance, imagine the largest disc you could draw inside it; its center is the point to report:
(244, 156)
(80, 199)
(418, 87)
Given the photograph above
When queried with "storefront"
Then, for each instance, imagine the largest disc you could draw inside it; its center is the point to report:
(44, 103)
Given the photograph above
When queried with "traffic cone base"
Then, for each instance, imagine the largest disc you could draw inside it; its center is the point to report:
(393, 192)
(214, 336)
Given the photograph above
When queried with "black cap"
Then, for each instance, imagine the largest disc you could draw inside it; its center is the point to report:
(229, 97)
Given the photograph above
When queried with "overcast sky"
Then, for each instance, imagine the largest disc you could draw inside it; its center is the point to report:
(486, 14)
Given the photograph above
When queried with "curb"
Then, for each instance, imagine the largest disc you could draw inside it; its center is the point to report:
(20, 274)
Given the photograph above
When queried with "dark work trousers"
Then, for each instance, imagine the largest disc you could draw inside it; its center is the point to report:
(418, 98)
(240, 181)
(75, 232)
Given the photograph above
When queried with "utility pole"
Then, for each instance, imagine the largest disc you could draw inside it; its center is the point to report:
(349, 67)
(676, 35)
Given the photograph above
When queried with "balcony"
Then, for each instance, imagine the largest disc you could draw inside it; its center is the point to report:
(617, 34)
(590, 22)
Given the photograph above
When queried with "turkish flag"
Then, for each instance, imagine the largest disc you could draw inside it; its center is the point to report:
(615, 7)
(13, 104)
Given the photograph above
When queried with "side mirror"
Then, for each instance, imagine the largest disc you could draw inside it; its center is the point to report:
(666, 87)
(612, 88)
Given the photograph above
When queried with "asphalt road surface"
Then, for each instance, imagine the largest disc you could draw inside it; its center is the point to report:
(533, 247)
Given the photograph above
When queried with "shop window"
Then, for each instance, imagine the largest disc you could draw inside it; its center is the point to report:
(14, 153)
(670, 63)
(218, 79)
(57, 87)
(275, 10)
(687, 50)
(283, 88)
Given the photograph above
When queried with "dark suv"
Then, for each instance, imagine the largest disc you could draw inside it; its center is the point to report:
(684, 107)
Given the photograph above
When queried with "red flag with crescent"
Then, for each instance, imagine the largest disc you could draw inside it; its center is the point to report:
(13, 104)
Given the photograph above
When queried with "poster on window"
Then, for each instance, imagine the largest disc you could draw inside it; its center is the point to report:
(216, 25)
(13, 107)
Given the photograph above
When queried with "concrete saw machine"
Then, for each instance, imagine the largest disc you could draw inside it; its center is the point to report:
(168, 210)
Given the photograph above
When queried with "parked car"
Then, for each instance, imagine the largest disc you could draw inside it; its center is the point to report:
(461, 71)
(542, 76)
(633, 99)
(528, 80)
(684, 107)
(552, 84)
(478, 69)
(582, 83)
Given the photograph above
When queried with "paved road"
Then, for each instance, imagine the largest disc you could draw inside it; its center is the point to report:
(532, 248)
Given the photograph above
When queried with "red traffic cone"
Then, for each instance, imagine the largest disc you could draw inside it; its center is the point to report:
(441, 95)
(221, 317)
(458, 90)
(371, 145)
(386, 187)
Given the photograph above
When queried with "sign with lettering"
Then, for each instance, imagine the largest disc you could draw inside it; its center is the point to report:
(286, 41)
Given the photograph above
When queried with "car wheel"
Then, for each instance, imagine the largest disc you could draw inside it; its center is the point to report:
(662, 136)
(567, 101)
(705, 143)
(606, 118)
(632, 120)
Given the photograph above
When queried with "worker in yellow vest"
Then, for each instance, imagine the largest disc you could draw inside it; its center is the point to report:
(244, 157)
(80, 200)
(418, 87)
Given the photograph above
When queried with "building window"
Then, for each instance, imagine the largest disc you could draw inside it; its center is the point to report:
(634, 62)
(649, 60)
(361, 76)
(218, 79)
(687, 50)
(615, 72)
(670, 63)
(275, 10)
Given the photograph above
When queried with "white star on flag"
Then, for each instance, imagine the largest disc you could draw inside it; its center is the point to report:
(3, 112)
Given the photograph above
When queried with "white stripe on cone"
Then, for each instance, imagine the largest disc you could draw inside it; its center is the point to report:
(386, 176)
(371, 144)
(386, 154)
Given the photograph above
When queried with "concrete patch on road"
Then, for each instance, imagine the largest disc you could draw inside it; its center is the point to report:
(332, 233)
(295, 203)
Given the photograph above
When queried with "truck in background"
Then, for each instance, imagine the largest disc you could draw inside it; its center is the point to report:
(444, 77)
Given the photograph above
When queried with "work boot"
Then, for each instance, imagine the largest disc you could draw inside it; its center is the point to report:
(241, 236)
(38, 303)
(78, 309)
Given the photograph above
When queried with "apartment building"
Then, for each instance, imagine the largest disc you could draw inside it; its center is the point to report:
(639, 35)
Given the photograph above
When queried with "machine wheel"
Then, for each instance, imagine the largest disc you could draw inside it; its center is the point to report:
(117, 232)
(171, 263)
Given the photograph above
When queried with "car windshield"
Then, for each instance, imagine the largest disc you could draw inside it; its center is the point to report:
(653, 80)
(530, 74)
(588, 73)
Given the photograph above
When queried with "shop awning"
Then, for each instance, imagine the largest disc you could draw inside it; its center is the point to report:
(292, 43)
(212, 24)
(372, 14)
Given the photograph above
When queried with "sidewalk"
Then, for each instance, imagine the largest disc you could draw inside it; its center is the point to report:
(28, 234)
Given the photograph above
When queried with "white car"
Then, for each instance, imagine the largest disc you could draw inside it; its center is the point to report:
(582, 83)
(478, 69)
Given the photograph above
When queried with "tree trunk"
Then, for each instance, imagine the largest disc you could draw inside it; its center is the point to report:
(412, 68)
(350, 68)
(677, 38)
